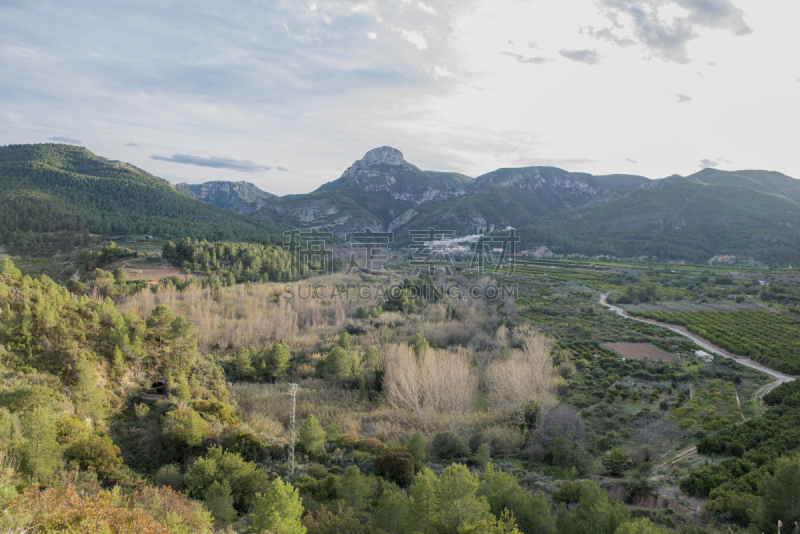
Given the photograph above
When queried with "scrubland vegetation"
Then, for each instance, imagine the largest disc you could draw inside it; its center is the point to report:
(415, 413)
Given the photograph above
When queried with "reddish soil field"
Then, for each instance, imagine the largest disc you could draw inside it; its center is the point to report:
(638, 351)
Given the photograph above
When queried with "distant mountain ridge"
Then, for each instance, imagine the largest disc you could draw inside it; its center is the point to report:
(712, 213)
(234, 196)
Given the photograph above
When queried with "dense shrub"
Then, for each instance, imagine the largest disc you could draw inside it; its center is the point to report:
(449, 445)
(346, 441)
(251, 447)
(94, 452)
(416, 447)
(65, 510)
(396, 466)
(371, 445)
(215, 408)
(184, 428)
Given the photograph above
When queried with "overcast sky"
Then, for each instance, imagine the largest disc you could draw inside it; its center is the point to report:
(288, 94)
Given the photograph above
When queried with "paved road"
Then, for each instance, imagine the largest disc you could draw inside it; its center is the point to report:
(780, 378)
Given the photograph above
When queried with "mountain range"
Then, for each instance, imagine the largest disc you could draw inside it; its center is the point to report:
(711, 214)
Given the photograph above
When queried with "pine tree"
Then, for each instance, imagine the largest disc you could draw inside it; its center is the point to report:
(392, 513)
(117, 364)
(354, 489)
(244, 362)
(159, 322)
(311, 438)
(781, 493)
(419, 344)
(279, 510)
(423, 501)
(277, 359)
(219, 501)
(416, 446)
(41, 449)
(90, 400)
(457, 506)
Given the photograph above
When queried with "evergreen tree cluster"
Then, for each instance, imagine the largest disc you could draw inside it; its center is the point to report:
(236, 262)
(67, 190)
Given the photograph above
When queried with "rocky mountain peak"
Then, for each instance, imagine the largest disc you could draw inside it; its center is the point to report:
(384, 155)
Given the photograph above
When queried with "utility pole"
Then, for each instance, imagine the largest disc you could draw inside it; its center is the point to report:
(292, 393)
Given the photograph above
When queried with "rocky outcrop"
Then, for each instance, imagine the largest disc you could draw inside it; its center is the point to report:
(384, 170)
(384, 155)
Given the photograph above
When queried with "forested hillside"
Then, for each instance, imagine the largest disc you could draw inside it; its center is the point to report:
(676, 219)
(67, 190)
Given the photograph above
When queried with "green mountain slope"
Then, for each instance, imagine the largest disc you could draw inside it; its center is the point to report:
(48, 188)
(676, 218)
(234, 196)
(513, 196)
(771, 182)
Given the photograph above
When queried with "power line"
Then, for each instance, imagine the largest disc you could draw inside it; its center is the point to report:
(292, 395)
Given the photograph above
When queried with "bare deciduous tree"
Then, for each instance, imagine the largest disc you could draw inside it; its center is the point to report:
(561, 422)
(435, 391)
(526, 375)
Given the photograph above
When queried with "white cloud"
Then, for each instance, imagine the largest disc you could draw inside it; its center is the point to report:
(427, 8)
(313, 7)
(415, 38)
(265, 72)
(439, 72)
(372, 35)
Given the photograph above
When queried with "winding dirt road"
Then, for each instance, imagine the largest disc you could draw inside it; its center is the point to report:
(780, 378)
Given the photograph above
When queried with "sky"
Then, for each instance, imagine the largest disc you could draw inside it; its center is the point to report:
(287, 95)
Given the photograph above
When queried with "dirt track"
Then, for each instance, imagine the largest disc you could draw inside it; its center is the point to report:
(780, 378)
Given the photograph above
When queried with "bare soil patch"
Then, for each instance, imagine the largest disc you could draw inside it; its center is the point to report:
(154, 271)
(638, 351)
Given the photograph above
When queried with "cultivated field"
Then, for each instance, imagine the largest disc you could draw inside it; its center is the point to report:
(144, 270)
(638, 351)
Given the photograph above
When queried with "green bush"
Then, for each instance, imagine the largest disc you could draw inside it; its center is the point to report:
(346, 441)
(94, 452)
(396, 466)
(251, 447)
(316, 471)
(616, 463)
(449, 445)
(215, 408)
(338, 364)
(483, 455)
(184, 428)
(371, 445)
